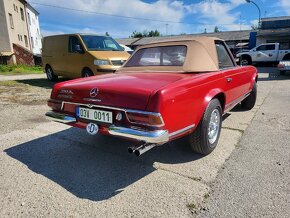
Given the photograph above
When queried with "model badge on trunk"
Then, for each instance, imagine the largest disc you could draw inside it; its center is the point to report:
(94, 92)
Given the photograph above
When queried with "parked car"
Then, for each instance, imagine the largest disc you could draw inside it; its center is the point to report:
(81, 55)
(127, 49)
(183, 89)
(283, 67)
(270, 52)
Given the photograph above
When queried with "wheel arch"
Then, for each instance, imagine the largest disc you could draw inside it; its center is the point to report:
(218, 94)
(286, 57)
(86, 68)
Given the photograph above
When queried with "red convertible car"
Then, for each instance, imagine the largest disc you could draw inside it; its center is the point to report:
(165, 90)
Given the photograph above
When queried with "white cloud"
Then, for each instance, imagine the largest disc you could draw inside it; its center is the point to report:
(285, 6)
(206, 14)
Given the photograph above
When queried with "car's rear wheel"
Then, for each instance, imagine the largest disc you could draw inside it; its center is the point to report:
(87, 73)
(50, 74)
(205, 137)
(249, 102)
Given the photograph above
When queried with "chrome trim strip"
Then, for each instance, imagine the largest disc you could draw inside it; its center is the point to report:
(120, 109)
(181, 130)
(92, 99)
(59, 117)
(155, 137)
(234, 103)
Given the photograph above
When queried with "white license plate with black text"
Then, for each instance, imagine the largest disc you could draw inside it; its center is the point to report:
(96, 115)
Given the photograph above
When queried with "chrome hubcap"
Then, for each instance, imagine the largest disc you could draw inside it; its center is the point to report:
(214, 125)
(244, 62)
(49, 74)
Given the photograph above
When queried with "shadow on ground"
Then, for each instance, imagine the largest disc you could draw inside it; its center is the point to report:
(42, 83)
(94, 167)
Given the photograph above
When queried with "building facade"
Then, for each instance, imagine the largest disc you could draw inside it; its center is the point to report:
(275, 29)
(16, 34)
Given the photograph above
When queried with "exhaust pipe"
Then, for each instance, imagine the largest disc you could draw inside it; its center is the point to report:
(143, 149)
(134, 148)
(140, 148)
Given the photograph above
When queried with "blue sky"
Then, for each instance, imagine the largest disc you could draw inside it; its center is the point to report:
(121, 17)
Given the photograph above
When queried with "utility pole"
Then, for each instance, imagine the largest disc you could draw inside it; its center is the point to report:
(166, 26)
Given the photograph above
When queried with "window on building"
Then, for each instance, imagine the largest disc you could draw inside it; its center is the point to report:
(18, 37)
(32, 42)
(11, 21)
(28, 18)
(22, 13)
(16, 8)
(26, 40)
(38, 31)
(36, 41)
(224, 58)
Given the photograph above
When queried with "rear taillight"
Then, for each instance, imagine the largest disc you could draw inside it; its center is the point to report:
(54, 104)
(145, 118)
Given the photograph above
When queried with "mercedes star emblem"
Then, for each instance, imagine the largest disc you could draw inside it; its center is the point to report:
(94, 92)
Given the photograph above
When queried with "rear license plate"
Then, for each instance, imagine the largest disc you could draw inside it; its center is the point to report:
(96, 115)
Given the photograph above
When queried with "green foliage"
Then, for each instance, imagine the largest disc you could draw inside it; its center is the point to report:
(255, 27)
(216, 29)
(19, 69)
(145, 33)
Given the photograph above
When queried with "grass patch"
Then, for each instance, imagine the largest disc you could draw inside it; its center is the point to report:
(19, 69)
(10, 83)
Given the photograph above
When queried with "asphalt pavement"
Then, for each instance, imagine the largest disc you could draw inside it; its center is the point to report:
(49, 169)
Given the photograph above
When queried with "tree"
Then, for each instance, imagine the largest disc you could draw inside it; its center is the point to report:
(145, 33)
(255, 27)
(216, 29)
(153, 33)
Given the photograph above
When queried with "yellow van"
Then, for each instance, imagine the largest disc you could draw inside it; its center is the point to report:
(81, 55)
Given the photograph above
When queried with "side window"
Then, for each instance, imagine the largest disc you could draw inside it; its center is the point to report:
(266, 47)
(270, 47)
(74, 45)
(224, 58)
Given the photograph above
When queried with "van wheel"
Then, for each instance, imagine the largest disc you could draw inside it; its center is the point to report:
(50, 74)
(87, 73)
(206, 135)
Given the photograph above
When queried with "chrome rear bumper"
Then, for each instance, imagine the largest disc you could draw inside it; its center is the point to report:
(59, 117)
(154, 137)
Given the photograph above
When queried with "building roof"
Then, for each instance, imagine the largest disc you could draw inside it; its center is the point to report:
(274, 32)
(227, 36)
(29, 6)
(201, 55)
(127, 41)
(276, 18)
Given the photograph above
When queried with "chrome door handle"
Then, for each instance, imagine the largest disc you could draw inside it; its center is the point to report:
(229, 79)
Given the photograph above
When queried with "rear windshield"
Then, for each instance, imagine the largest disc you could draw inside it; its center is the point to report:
(159, 56)
(101, 43)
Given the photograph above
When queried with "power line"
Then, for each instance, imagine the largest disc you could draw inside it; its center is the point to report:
(127, 17)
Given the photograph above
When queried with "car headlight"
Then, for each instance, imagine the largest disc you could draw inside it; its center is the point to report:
(101, 62)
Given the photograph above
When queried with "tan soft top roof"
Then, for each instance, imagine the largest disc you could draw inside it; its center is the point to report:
(201, 55)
